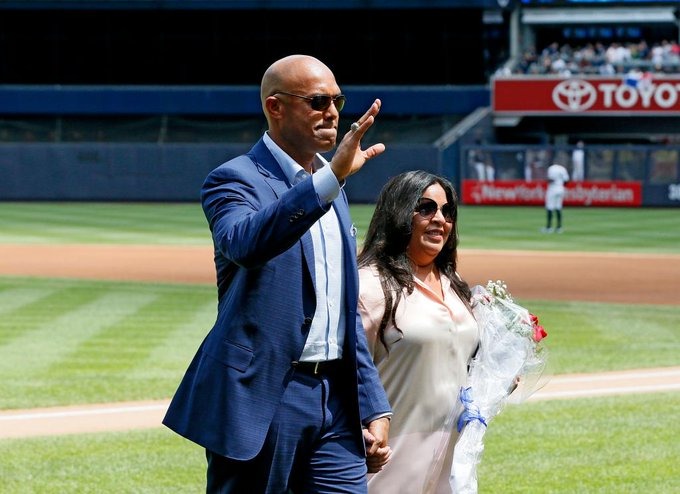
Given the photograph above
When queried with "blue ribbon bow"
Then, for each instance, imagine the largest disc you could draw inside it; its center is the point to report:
(471, 411)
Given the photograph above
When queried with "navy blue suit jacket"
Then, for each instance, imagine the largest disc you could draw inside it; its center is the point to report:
(266, 300)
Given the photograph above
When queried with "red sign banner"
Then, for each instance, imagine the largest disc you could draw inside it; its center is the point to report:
(645, 94)
(521, 193)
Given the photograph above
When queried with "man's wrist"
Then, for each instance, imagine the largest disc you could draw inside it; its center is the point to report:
(387, 415)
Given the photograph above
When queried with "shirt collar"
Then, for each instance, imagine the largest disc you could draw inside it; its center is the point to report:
(290, 167)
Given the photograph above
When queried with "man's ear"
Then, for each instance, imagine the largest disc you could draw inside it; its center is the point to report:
(273, 107)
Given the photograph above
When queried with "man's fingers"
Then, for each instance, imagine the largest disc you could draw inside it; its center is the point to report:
(359, 128)
(369, 117)
(377, 461)
(374, 150)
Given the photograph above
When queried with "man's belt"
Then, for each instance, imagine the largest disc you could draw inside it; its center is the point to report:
(321, 368)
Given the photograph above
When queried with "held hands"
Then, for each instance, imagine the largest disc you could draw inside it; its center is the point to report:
(514, 385)
(378, 453)
(349, 158)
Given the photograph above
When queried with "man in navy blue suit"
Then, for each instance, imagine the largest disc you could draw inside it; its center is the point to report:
(282, 393)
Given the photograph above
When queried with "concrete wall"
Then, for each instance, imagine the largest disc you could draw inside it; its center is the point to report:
(159, 172)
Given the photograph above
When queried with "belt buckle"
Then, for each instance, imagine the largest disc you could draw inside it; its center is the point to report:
(316, 367)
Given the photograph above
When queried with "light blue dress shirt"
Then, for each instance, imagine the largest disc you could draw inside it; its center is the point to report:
(327, 332)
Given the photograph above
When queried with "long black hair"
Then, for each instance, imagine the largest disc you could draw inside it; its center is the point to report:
(389, 234)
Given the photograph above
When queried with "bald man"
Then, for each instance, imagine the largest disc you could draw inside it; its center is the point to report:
(282, 392)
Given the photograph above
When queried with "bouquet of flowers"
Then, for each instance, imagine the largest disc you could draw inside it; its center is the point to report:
(510, 354)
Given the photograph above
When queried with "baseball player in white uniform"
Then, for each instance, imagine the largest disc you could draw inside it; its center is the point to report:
(557, 175)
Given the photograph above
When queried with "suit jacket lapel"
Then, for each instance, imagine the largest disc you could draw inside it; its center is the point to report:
(269, 168)
(277, 180)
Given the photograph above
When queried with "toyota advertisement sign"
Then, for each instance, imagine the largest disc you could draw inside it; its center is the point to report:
(643, 94)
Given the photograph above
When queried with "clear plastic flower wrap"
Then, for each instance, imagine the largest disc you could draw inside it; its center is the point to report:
(510, 359)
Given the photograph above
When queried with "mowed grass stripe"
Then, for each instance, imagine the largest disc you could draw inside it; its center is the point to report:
(95, 341)
(585, 229)
(595, 445)
(153, 461)
(28, 324)
(103, 223)
(56, 327)
(595, 337)
(181, 340)
(152, 331)
(15, 300)
(37, 356)
(114, 364)
(480, 227)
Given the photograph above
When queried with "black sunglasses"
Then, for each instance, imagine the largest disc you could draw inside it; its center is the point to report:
(427, 208)
(320, 102)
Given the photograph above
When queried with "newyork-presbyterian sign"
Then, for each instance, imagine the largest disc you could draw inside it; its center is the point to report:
(582, 96)
(521, 193)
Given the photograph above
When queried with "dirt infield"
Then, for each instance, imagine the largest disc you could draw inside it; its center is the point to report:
(622, 278)
(606, 277)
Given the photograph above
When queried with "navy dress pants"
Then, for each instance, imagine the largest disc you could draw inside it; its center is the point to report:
(311, 447)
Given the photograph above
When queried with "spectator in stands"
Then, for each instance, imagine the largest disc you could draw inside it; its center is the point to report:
(484, 171)
(578, 159)
(281, 385)
(657, 56)
(534, 168)
(557, 177)
(595, 58)
(617, 54)
(528, 171)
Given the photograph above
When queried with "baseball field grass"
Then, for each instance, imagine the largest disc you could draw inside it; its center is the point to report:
(71, 341)
(655, 230)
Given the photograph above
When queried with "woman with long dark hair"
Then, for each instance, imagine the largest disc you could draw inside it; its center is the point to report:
(421, 331)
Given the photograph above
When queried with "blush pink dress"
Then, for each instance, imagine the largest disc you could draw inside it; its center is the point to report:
(422, 374)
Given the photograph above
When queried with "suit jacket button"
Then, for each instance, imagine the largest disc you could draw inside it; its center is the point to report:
(308, 321)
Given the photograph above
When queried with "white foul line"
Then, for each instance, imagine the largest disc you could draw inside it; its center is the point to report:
(548, 395)
(84, 412)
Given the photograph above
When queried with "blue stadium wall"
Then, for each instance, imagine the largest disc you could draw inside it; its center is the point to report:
(96, 171)
(159, 172)
(147, 171)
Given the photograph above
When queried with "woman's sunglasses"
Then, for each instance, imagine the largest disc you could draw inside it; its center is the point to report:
(427, 208)
(320, 102)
